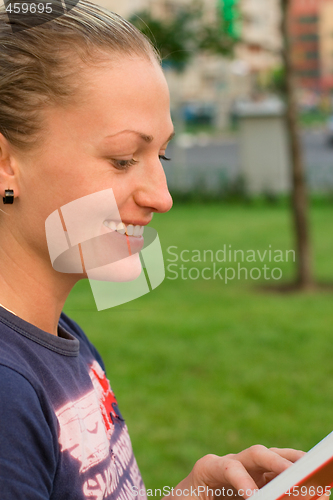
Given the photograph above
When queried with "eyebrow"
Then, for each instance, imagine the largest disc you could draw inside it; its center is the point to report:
(146, 138)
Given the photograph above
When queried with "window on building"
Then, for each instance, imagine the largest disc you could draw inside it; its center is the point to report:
(308, 73)
(308, 19)
(311, 55)
(308, 37)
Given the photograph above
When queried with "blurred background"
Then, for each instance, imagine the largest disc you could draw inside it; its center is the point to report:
(221, 55)
(206, 364)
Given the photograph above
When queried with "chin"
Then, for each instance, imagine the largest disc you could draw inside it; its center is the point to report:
(128, 269)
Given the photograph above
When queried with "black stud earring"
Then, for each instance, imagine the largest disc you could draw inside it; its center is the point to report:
(9, 197)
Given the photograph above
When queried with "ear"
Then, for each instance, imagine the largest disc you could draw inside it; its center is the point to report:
(8, 168)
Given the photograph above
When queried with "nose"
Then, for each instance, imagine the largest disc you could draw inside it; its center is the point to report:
(153, 192)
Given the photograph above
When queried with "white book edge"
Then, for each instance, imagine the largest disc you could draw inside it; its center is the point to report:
(315, 458)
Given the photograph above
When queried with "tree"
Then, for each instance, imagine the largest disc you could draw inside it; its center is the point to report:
(184, 34)
(304, 279)
(282, 82)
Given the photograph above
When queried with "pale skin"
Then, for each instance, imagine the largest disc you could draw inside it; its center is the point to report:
(77, 159)
(80, 155)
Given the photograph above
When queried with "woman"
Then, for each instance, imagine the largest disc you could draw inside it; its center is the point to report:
(84, 107)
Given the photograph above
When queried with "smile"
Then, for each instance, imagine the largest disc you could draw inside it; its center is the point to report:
(129, 229)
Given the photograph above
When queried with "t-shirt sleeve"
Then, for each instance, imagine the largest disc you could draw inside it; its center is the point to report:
(28, 457)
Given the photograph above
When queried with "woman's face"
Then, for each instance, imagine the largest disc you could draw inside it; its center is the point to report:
(112, 138)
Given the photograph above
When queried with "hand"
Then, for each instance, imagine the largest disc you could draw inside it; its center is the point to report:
(212, 476)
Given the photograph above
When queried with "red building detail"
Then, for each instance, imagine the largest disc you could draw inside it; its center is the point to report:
(305, 42)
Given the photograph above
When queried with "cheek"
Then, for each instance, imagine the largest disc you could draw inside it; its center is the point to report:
(53, 177)
(127, 184)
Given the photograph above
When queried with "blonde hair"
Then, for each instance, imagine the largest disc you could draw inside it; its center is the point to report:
(39, 64)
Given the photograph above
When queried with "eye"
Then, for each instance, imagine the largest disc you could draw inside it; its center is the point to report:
(162, 157)
(123, 164)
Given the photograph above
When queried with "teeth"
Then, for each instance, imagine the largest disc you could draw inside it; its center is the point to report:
(121, 228)
(137, 230)
(130, 230)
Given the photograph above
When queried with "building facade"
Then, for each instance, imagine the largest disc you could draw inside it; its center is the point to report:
(260, 34)
(311, 32)
(326, 45)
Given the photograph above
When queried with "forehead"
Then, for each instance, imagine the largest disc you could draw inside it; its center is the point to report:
(131, 84)
(126, 93)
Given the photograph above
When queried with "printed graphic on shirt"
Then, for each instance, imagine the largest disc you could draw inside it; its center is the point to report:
(118, 480)
(107, 401)
(92, 430)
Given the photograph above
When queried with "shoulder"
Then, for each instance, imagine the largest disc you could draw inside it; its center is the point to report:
(23, 410)
(14, 385)
(19, 396)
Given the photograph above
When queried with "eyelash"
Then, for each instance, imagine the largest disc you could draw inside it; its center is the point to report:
(123, 164)
(127, 163)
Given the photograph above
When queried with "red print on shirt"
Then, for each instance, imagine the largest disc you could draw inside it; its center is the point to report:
(107, 400)
(87, 424)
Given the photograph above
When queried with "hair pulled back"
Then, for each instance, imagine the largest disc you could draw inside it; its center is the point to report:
(39, 65)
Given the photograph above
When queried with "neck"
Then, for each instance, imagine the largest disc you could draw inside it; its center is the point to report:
(33, 290)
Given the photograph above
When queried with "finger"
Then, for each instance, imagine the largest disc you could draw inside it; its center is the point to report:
(224, 471)
(289, 454)
(268, 476)
(259, 456)
(237, 476)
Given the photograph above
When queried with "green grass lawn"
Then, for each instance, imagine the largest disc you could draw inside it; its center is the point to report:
(200, 366)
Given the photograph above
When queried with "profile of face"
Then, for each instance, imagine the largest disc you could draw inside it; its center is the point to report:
(111, 141)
